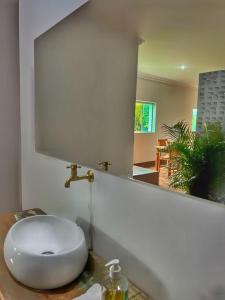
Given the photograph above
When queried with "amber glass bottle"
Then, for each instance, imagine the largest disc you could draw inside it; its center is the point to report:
(115, 284)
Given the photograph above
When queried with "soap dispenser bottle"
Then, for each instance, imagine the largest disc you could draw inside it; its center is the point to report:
(115, 284)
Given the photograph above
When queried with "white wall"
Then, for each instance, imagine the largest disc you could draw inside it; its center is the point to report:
(174, 103)
(170, 244)
(9, 107)
(78, 52)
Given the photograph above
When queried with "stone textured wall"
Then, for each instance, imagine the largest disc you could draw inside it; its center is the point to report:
(211, 98)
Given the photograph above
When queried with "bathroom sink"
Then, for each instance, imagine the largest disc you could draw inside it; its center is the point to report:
(45, 252)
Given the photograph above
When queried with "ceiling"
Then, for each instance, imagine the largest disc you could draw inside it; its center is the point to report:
(182, 38)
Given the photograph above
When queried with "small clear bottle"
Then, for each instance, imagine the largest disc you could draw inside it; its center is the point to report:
(115, 284)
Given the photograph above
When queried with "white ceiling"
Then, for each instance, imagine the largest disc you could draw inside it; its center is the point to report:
(189, 33)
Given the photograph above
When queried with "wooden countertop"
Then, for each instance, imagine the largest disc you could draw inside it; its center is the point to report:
(10, 289)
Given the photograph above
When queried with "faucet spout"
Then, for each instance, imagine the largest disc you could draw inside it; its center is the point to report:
(74, 177)
(67, 183)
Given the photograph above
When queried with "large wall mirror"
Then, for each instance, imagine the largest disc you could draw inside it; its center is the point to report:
(140, 85)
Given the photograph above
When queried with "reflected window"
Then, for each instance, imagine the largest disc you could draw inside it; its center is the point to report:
(145, 117)
(194, 119)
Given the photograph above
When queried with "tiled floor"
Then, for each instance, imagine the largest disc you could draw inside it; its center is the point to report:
(136, 294)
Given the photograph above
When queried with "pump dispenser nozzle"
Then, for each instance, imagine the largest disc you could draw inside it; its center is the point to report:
(113, 262)
(115, 269)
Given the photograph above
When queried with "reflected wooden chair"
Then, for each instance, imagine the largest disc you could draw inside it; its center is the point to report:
(161, 155)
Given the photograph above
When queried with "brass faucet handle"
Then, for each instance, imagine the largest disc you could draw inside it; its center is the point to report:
(73, 166)
(105, 165)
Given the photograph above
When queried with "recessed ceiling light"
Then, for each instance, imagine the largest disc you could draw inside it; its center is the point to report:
(183, 67)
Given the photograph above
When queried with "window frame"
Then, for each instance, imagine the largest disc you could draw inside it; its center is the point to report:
(154, 109)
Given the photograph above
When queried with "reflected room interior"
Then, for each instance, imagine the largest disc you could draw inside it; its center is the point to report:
(179, 119)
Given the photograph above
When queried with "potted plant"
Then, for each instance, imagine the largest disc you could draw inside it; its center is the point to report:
(198, 160)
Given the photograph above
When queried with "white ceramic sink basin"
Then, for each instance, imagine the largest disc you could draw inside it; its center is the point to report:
(45, 252)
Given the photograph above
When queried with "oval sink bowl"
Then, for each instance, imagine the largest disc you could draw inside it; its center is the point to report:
(45, 252)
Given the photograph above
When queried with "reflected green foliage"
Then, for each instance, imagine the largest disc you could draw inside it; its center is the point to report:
(198, 160)
(145, 117)
(138, 117)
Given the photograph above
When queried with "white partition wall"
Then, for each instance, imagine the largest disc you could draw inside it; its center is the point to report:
(77, 123)
(171, 245)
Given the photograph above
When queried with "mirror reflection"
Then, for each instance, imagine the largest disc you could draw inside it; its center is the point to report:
(190, 154)
(180, 104)
(163, 125)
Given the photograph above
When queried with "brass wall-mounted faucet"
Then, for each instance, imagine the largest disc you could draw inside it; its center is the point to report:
(74, 177)
(105, 165)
